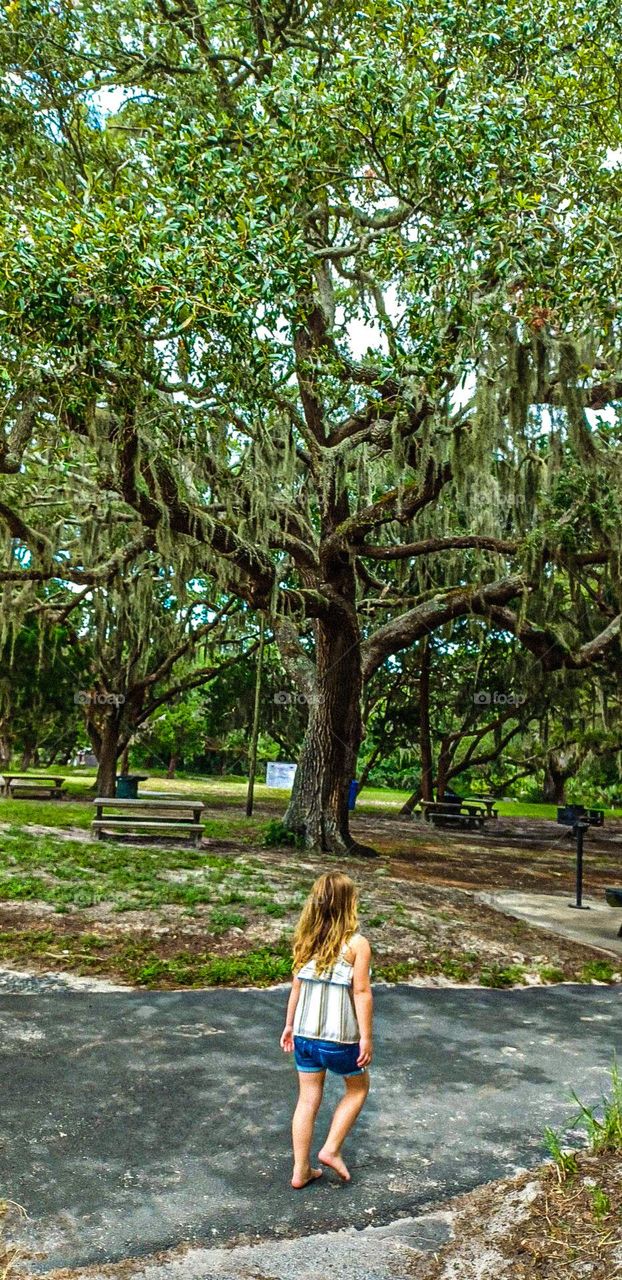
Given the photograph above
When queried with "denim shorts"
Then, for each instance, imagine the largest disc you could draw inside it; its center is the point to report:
(327, 1055)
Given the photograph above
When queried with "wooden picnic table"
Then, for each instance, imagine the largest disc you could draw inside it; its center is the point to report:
(461, 813)
(15, 784)
(148, 815)
(489, 801)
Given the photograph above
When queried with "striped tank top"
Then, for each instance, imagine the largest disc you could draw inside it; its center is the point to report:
(325, 1009)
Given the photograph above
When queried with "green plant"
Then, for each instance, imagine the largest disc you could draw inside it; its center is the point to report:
(257, 968)
(456, 968)
(276, 834)
(375, 922)
(276, 909)
(551, 973)
(220, 921)
(399, 971)
(604, 1134)
(565, 1161)
(601, 1204)
(495, 975)
(597, 971)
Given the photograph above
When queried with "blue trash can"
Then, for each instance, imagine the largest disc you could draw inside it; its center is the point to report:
(352, 794)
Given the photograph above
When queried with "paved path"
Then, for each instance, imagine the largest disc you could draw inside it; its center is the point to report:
(133, 1121)
(595, 927)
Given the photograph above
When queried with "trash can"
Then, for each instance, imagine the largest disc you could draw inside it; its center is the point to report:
(352, 794)
(127, 785)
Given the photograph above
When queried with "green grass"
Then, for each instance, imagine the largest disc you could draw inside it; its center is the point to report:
(495, 975)
(61, 814)
(70, 873)
(220, 921)
(603, 1129)
(224, 793)
(137, 961)
(551, 973)
(469, 966)
(597, 971)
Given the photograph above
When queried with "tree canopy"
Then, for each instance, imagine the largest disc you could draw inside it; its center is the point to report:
(320, 298)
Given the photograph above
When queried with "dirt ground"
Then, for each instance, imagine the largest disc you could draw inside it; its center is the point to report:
(511, 853)
(534, 1227)
(418, 907)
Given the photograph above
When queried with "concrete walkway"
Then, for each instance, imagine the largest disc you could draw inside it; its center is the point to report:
(596, 927)
(132, 1122)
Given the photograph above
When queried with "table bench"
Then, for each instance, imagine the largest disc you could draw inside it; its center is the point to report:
(489, 803)
(148, 816)
(614, 898)
(447, 813)
(32, 786)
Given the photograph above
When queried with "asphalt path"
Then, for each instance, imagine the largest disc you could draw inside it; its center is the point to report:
(131, 1122)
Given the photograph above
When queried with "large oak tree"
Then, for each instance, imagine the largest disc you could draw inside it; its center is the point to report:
(328, 290)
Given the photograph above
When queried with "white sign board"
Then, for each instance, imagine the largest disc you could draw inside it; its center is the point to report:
(280, 774)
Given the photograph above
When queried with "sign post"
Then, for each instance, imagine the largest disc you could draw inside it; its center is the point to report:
(252, 754)
(280, 773)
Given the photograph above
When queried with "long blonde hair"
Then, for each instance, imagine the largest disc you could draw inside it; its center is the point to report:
(328, 919)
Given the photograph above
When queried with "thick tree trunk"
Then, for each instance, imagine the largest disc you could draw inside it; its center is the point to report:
(560, 765)
(124, 760)
(107, 755)
(444, 766)
(27, 757)
(554, 788)
(172, 766)
(318, 808)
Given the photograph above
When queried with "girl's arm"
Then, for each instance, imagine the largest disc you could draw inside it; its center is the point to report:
(363, 999)
(287, 1037)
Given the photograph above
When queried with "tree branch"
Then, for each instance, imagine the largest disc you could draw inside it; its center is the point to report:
(550, 650)
(402, 632)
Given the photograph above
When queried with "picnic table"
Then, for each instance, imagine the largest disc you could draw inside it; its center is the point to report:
(33, 785)
(147, 815)
(489, 802)
(459, 813)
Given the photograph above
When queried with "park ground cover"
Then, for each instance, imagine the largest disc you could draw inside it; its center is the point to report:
(559, 1222)
(9, 1252)
(162, 916)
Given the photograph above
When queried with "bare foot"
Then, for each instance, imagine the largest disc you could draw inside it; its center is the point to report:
(334, 1162)
(299, 1181)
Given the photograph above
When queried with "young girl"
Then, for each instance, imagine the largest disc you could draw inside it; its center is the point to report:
(329, 1019)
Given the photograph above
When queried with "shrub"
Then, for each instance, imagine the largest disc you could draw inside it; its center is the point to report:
(276, 834)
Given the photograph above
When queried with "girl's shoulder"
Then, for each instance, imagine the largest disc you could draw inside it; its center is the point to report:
(354, 944)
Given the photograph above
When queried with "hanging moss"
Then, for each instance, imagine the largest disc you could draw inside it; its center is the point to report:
(578, 425)
(521, 384)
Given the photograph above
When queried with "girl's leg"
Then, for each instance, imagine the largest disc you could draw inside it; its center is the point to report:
(346, 1112)
(311, 1085)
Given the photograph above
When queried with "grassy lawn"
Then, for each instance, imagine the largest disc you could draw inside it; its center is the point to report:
(227, 793)
(156, 915)
(159, 916)
(66, 873)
